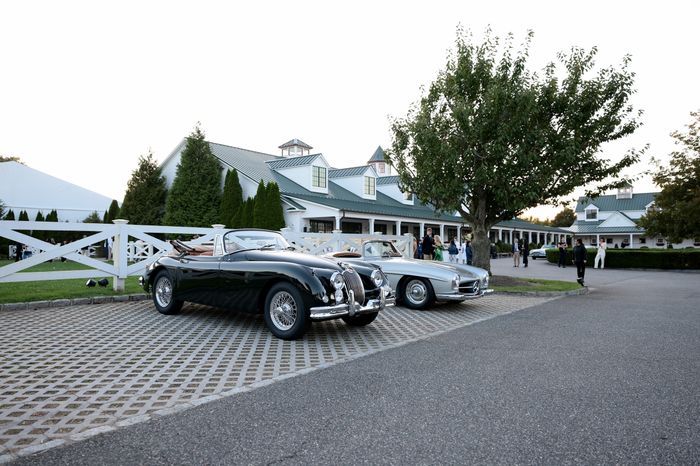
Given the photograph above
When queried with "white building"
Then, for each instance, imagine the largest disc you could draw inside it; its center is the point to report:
(614, 218)
(24, 188)
(317, 197)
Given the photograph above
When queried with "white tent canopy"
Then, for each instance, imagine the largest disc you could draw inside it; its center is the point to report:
(24, 188)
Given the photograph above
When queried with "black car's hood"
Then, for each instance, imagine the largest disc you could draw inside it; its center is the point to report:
(294, 258)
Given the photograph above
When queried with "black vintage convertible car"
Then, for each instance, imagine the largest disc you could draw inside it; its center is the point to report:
(256, 271)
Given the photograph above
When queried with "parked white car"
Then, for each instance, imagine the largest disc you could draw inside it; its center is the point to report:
(419, 283)
(541, 253)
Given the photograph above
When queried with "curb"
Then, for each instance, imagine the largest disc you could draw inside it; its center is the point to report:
(546, 294)
(31, 305)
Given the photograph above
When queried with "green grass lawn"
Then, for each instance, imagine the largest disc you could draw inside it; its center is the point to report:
(535, 284)
(59, 289)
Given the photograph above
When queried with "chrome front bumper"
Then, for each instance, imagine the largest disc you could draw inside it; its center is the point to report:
(353, 308)
(461, 296)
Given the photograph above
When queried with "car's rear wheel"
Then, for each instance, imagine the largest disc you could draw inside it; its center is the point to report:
(417, 293)
(361, 320)
(285, 313)
(163, 294)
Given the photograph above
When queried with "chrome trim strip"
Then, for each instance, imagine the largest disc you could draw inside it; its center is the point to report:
(340, 310)
(460, 296)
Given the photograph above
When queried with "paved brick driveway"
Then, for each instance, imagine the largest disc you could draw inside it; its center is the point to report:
(69, 373)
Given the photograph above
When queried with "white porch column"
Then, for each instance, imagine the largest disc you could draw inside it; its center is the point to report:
(597, 240)
(371, 226)
(500, 235)
(398, 227)
(337, 222)
(631, 240)
(442, 232)
(421, 234)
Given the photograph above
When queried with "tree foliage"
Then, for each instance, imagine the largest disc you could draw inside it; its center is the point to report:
(676, 211)
(10, 215)
(111, 213)
(2, 209)
(232, 198)
(275, 203)
(490, 139)
(94, 217)
(195, 195)
(564, 218)
(23, 216)
(146, 193)
(10, 159)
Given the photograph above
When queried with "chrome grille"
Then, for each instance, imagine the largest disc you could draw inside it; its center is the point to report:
(354, 283)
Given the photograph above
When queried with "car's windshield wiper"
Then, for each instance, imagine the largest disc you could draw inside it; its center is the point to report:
(271, 245)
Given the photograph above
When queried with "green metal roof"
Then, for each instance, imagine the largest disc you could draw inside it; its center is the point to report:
(346, 172)
(610, 202)
(288, 162)
(384, 180)
(378, 155)
(247, 162)
(519, 224)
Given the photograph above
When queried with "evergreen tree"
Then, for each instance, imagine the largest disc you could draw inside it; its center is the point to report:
(52, 216)
(261, 207)
(144, 201)
(24, 216)
(39, 217)
(2, 208)
(275, 203)
(40, 234)
(94, 217)
(112, 212)
(232, 198)
(195, 195)
(10, 215)
(246, 213)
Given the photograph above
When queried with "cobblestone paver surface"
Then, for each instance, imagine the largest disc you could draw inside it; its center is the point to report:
(69, 373)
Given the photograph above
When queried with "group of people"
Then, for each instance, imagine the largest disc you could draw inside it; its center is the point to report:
(518, 248)
(432, 248)
(580, 255)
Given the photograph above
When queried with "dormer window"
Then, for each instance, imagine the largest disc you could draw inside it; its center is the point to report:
(381, 167)
(318, 177)
(370, 186)
(408, 196)
(592, 213)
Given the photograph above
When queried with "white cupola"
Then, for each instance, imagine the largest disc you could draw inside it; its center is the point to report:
(295, 148)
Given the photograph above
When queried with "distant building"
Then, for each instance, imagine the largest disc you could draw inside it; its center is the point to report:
(614, 217)
(317, 197)
(24, 188)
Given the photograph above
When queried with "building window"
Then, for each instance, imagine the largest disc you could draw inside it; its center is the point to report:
(696, 242)
(370, 186)
(642, 240)
(321, 226)
(351, 227)
(318, 177)
(381, 168)
(591, 214)
(660, 241)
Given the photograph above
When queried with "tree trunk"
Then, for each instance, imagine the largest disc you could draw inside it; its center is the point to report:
(481, 245)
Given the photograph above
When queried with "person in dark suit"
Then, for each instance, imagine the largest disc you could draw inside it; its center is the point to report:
(580, 254)
(562, 254)
(526, 251)
(428, 244)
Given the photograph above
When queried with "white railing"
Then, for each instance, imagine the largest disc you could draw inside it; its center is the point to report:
(134, 247)
(321, 243)
(134, 259)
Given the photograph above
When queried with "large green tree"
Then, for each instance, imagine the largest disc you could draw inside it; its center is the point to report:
(275, 202)
(261, 207)
(112, 212)
(490, 139)
(195, 195)
(564, 218)
(676, 211)
(146, 192)
(232, 198)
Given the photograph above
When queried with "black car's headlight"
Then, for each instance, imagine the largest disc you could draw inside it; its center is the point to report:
(337, 280)
(377, 278)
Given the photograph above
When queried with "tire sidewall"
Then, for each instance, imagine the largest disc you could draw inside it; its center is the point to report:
(174, 306)
(303, 319)
(429, 297)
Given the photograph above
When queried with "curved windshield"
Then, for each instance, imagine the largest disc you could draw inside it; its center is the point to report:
(380, 249)
(253, 239)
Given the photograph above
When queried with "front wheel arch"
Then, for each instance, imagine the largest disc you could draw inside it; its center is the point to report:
(412, 303)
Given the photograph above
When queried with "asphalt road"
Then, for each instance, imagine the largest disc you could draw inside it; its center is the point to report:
(608, 377)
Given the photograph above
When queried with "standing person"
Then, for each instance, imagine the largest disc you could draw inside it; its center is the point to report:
(515, 249)
(469, 252)
(526, 252)
(428, 244)
(437, 249)
(580, 254)
(453, 251)
(600, 255)
(562, 254)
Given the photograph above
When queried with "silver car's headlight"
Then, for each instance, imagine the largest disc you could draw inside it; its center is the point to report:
(337, 280)
(455, 282)
(377, 278)
(485, 282)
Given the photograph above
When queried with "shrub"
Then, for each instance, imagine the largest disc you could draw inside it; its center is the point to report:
(640, 258)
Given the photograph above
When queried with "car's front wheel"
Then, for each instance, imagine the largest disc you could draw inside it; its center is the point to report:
(417, 293)
(361, 320)
(285, 313)
(163, 292)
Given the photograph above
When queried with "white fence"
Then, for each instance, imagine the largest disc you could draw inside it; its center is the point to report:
(145, 249)
(135, 247)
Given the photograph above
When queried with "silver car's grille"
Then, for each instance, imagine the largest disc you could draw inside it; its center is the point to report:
(354, 283)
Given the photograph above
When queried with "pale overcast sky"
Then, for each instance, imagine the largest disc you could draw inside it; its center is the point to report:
(87, 87)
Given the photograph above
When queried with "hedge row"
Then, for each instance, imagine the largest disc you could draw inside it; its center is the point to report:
(638, 258)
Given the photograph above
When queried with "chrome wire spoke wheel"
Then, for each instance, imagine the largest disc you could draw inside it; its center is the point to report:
(164, 292)
(416, 292)
(283, 310)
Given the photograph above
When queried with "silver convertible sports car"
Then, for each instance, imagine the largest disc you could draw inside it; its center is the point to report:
(419, 283)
